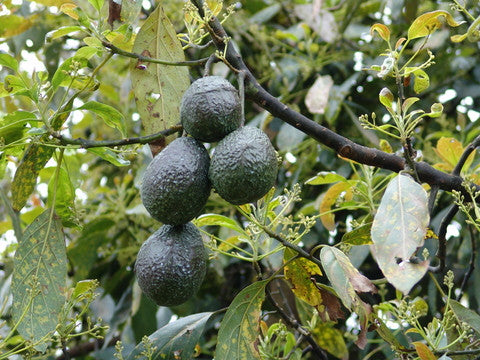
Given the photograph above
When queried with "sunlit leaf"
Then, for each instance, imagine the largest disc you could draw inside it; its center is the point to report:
(382, 30)
(398, 229)
(70, 9)
(450, 150)
(176, 340)
(62, 31)
(239, 329)
(218, 220)
(11, 25)
(421, 81)
(97, 4)
(329, 200)
(386, 98)
(8, 61)
(427, 23)
(39, 275)
(159, 88)
(385, 146)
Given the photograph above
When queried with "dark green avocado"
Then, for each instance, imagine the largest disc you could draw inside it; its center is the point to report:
(175, 185)
(171, 264)
(243, 166)
(210, 109)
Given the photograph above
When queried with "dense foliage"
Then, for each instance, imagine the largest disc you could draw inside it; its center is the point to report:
(366, 248)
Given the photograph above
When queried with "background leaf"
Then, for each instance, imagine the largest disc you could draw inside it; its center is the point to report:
(329, 200)
(110, 115)
(466, 315)
(110, 156)
(159, 88)
(177, 340)
(398, 229)
(40, 271)
(239, 330)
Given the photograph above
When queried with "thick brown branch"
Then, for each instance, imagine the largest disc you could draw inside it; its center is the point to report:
(341, 145)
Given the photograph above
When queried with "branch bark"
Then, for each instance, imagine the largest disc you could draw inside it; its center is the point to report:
(341, 145)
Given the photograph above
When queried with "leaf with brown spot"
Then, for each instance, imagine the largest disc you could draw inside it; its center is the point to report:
(159, 88)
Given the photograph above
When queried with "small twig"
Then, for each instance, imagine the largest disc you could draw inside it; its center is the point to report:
(116, 50)
(208, 65)
(471, 266)
(86, 144)
(297, 326)
(442, 238)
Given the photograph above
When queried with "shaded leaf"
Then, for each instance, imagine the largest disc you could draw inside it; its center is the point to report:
(39, 275)
(159, 88)
(325, 177)
(382, 30)
(466, 315)
(421, 81)
(64, 197)
(83, 287)
(427, 23)
(176, 340)
(359, 236)
(398, 229)
(423, 351)
(385, 146)
(110, 156)
(344, 277)
(386, 334)
(330, 339)
(239, 329)
(34, 160)
(110, 115)
(329, 200)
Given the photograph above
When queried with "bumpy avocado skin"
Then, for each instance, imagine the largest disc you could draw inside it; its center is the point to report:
(243, 166)
(175, 185)
(210, 109)
(171, 264)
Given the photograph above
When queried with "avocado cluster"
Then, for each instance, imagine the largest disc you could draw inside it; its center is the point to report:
(171, 264)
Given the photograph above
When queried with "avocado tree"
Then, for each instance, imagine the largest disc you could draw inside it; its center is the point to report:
(365, 247)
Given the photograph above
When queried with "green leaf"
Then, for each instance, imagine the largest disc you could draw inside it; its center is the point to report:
(398, 229)
(110, 156)
(427, 23)
(64, 197)
(436, 110)
(159, 88)
(175, 341)
(62, 31)
(84, 287)
(386, 97)
(325, 177)
(8, 61)
(62, 76)
(382, 30)
(39, 276)
(421, 81)
(239, 329)
(359, 236)
(345, 278)
(466, 315)
(34, 160)
(17, 85)
(218, 220)
(11, 25)
(97, 4)
(110, 115)
(408, 103)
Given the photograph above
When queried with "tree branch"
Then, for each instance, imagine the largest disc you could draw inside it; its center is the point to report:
(142, 58)
(341, 145)
(86, 144)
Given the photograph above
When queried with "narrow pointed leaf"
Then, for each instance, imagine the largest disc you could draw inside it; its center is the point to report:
(466, 315)
(39, 275)
(176, 340)
(34, 160)
(239, 330)
(159, 88)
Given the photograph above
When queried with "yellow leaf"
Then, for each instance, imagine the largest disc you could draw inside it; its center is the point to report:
(450, 150)
(329, 199)
(330, 339)
(423, 351)
(382, 30)
(69, 9)
(56, 3)
(427, 23)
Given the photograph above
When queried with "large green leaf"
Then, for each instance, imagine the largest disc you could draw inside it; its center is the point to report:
(398, 229)
(239, 330)
(345, 278)
(159, 88)
(34, 160)
(39, 275)
(466, 315)
(175, 341)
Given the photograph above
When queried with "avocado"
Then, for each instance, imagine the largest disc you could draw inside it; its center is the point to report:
(243, 166)
(171, 264)
(175, 185)
(210, 109)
